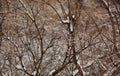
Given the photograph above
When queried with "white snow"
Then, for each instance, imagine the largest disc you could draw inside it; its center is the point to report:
(73, 16)
(34, 73)
(66, 21)
(71, 28)
(51, 72)
(105, 74)
(59, 57)
(89, 63)
(8, 38)
(18, 66)
(75, 72)
(106, 3)
(48, 58)
(78, 61)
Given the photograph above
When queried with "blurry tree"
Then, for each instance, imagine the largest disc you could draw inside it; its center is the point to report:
(59, 37)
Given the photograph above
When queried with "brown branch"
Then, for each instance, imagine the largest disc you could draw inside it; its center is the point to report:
(54, 10)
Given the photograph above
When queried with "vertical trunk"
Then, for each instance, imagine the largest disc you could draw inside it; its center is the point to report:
(3, 6)
(0, 23)
(72, 44)
(74, 53)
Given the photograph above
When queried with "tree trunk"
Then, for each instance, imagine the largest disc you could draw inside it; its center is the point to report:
(0, 23)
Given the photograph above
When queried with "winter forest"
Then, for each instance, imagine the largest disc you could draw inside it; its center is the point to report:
(59, 37)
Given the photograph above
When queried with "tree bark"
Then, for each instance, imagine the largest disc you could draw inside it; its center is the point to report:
(0, 23)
